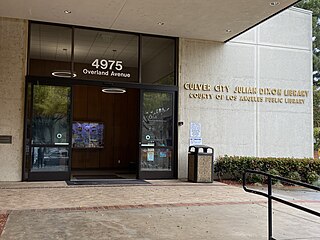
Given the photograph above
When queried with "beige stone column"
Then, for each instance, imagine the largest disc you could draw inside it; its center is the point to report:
(13, 61)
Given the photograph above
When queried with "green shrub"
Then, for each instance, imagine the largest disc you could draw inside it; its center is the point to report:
(233, 167)
(312, 177)
(255, 178)
(293, 176)
(274, 172)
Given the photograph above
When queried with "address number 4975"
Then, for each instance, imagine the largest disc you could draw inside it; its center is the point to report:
(107, 64)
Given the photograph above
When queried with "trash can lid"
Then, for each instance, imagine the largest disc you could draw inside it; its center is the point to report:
(196, 148)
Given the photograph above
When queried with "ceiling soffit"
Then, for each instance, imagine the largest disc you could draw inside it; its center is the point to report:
(217, 20)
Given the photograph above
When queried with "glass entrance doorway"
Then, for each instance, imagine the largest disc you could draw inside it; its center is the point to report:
(82, 132)
(157, 135)
(74, 129)
(105, 133)
(50, 133)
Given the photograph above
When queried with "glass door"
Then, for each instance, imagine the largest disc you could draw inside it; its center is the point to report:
(50, 133)
(157, 135)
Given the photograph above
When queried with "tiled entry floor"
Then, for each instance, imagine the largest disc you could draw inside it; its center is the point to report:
(160, 210)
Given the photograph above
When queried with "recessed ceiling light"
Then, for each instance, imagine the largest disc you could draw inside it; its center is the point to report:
(161, 23)
(113, 90)
(67, 11)
(273, 4)
(228, 30)
(63, 74)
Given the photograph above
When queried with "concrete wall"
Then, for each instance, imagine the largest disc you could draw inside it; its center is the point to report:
(277, 54)
(13, 52)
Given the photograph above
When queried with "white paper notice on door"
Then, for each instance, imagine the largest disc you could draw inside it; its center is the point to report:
(150, 154)
(195, 130)
(195, 141)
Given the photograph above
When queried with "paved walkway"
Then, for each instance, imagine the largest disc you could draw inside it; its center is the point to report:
(160, 210)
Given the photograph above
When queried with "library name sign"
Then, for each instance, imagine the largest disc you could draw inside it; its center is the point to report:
(246, 94)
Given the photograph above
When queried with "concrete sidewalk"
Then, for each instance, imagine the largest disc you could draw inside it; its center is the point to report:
(161, 210)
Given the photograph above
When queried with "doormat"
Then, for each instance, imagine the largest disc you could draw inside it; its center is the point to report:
(108, 182)
(111, 176)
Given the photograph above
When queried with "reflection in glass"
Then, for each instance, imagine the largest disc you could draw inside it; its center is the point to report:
(50, 159)
(156, 159)
(50, 49)
(50, 119)
(158, 58)
(106, 55)
(157, 130)
(100, 55)
(157, 119)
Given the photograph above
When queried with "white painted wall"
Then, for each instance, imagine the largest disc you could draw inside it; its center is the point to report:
(13, 45)
(277, 54)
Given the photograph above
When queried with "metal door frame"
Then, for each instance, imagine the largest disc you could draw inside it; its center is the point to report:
(47, 175)
(160, 174)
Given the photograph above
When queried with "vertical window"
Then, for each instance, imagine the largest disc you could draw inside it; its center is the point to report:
(157, 132)
(50, 50)
(50, 128)
(158, 60)
(51, 110)
(101, 55)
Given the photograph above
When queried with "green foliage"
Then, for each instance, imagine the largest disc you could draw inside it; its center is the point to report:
(152, 102)
(312, 177)
(314, 6)
(50, 110)
(316, 108)
(274, 172)
(293, 176)
(233, 167)
(316, 135)
(256, 178)
(50, 101)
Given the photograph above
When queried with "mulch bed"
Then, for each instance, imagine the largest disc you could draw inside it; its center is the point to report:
(231, 182)
(3, 220)
(239, 184)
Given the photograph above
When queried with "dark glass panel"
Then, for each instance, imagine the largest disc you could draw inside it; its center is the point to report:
(158, 60)
(157, 129)
(50, 50)
(101, 55)
(50, 119)
(157, 118)
(50, 159)
(156, 159)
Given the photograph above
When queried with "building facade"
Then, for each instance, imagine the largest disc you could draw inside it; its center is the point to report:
(90, 101)
(252, 109)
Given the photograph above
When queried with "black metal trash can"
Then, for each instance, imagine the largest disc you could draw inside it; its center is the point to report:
(200, 164)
